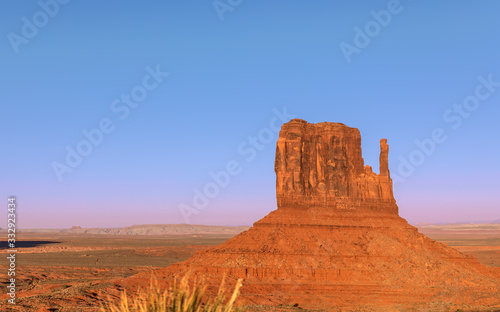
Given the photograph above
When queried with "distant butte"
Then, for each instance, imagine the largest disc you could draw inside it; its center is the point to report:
(336, 239)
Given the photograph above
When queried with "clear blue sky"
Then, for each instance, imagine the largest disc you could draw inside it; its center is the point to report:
(228, 70)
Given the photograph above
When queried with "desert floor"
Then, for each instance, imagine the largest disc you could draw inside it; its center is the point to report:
(64, 272)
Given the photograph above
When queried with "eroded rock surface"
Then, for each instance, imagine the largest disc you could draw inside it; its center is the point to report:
(321, 165)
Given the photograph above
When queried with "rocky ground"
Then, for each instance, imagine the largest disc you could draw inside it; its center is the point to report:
(68, 272)
(65, 272)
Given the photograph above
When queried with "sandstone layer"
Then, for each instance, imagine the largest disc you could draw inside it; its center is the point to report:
(320, 165)
(336, 239)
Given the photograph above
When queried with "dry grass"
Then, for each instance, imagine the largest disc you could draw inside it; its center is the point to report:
(179, 298)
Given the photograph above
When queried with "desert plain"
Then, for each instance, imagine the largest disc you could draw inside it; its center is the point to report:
(65, 270)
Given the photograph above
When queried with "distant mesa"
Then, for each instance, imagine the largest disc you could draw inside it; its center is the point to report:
(158, 229)
(336, 239)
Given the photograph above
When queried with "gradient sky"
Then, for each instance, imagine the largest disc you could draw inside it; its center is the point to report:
(227, 78)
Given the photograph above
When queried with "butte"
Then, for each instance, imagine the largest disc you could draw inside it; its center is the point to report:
(336, 239)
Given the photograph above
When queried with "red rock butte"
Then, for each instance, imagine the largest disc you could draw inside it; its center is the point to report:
(336, 239)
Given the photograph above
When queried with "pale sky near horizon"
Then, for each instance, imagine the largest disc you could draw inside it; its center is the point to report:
(182, 90)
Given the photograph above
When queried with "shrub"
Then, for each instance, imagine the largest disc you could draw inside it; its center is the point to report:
(179, 298)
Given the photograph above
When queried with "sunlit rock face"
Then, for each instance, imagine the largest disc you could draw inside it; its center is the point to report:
(320, 165)
(336, 239)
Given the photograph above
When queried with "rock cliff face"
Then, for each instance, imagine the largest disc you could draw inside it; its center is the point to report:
(321, 165)
(336, 239)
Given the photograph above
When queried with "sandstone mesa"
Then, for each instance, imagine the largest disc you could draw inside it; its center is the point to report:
(336, 239)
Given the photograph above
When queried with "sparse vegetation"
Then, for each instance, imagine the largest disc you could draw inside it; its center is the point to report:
(179, 298)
